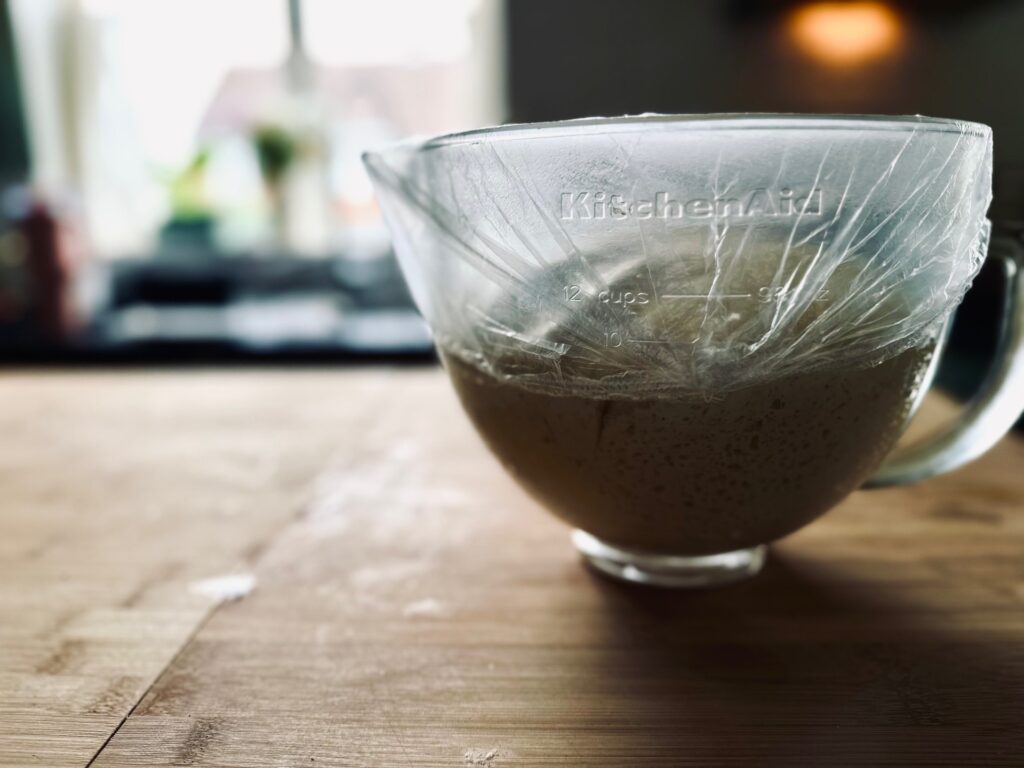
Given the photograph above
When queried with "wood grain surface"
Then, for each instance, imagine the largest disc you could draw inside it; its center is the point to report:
(410, 607)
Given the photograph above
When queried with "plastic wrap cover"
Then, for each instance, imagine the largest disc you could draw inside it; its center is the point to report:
(633, 255)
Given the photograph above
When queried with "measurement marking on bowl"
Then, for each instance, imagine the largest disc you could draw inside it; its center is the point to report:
(648, 341)
(706, 295)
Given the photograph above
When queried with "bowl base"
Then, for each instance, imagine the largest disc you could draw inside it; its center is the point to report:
(669, 570)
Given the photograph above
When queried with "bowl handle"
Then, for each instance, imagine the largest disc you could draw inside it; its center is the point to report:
(992, 411)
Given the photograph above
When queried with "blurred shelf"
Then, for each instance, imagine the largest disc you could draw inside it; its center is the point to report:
(235, 309)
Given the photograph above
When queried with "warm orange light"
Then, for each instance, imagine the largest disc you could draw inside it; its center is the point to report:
(846, 34)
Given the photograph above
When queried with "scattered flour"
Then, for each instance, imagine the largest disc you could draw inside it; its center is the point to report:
(428, 607)
(481, 756)
(232, 586)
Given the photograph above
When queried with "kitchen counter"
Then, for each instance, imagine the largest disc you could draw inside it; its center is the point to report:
(326, 568)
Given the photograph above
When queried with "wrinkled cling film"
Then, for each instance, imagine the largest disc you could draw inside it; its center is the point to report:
(635, 255)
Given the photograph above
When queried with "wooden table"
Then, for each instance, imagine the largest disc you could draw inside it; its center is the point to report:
(325, 568)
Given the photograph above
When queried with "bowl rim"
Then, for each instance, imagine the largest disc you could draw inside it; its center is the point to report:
(765, 121)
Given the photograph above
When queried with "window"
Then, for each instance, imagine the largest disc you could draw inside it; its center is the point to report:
(208, 125)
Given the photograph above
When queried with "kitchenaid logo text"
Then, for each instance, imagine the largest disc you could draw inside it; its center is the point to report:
(757, 203)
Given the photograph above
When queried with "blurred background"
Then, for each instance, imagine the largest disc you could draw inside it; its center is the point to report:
(180, 179)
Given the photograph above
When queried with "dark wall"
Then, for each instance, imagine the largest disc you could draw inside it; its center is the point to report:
(14, 157)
